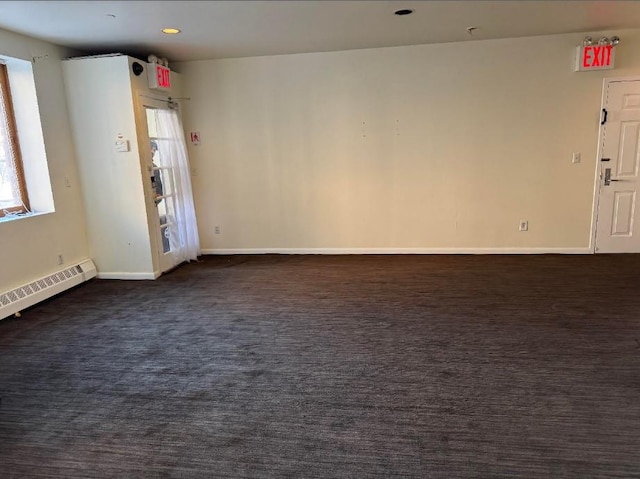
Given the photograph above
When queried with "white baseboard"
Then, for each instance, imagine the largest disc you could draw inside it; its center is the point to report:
(336, 251)
(133, 276)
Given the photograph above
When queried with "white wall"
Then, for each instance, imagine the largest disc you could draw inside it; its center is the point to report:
(102, 108)
(105, 102)
(29, 247)
(429, 147)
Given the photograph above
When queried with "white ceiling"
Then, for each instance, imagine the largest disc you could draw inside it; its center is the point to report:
(224, 29)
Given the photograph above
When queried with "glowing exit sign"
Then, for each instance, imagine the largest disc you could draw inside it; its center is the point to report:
(159, 76)
(594, 57)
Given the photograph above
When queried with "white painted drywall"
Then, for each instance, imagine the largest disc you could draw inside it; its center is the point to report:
(101, 109)
(106, 102)
(428, 147)
(29, 247)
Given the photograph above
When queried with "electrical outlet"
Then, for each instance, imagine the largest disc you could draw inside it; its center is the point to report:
(576, 158)
(524, 225)
(217, 230)
(60, 259)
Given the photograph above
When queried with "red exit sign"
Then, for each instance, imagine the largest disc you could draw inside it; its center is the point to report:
(594, 57)
(159, 76)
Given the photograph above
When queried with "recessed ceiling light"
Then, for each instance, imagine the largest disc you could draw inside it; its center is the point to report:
(170, 31)
(404, 11)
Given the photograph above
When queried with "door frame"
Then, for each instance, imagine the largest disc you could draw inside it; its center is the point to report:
(597, 184)
(145, 100)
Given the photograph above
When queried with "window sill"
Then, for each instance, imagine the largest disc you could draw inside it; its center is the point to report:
(9, 218)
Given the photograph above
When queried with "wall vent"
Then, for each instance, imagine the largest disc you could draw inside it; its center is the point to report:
(31, 293)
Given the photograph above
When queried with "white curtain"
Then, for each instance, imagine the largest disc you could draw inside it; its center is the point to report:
(173, 153)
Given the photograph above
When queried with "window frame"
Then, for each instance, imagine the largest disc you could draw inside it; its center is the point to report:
(16, 158)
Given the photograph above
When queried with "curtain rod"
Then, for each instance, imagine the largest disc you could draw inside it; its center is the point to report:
(167, 100)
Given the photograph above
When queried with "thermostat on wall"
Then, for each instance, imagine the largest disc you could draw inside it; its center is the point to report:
(121, 145)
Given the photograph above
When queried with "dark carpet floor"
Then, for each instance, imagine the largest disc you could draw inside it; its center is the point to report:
(327, 366)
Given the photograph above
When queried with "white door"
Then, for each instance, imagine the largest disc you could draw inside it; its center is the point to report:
(163, 189)
(618, 215)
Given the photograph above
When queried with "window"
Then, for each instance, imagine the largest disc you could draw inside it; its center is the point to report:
(13, 191)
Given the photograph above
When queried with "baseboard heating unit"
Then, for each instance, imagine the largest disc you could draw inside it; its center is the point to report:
(15, 300)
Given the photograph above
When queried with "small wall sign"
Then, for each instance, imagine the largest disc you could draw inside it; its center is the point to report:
(195, 138)
(594, 57)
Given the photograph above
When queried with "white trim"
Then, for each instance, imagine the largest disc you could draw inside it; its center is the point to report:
(336, 251)
(22, 216)
(596, 180)
(111, 275)
(621, 79)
